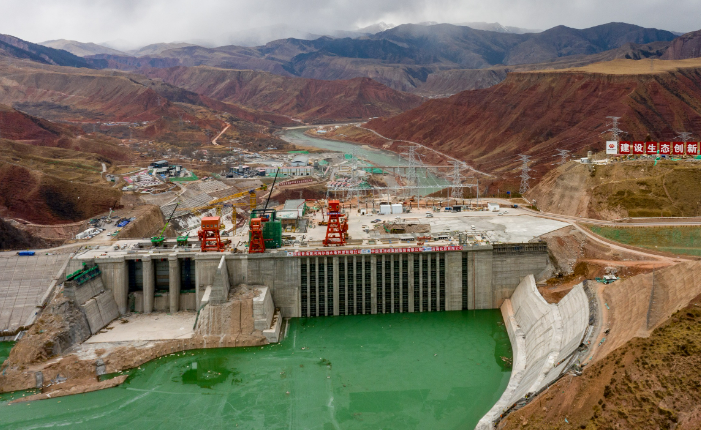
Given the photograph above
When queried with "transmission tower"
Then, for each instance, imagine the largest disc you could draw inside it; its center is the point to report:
(412, 171)
(684, 136)
(456, 190)
(564, 155)
(614, 130)
(524, 173)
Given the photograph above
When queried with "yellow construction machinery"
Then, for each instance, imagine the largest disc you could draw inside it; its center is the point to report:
(219, 203)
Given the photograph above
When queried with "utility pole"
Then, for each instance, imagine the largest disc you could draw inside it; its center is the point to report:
(524, 173)
(564, 155)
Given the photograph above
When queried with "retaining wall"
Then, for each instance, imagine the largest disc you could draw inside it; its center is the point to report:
(543, 339)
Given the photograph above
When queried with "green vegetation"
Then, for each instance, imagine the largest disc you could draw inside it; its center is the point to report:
(675, 240)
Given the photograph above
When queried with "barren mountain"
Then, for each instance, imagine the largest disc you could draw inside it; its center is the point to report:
(685, 46)
(538, 112)
(14, 47)
(157, 48)
(80, 49)
(305, 99)
(401, 57)
(449, 82)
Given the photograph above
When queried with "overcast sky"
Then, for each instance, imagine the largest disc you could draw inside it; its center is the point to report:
(141, 22)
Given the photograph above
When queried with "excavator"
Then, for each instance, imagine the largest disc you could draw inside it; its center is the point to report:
(158, 240)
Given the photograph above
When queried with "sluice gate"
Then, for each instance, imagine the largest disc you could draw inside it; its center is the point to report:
(329, 281)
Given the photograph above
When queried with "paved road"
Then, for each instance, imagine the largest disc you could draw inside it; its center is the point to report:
(574, 221)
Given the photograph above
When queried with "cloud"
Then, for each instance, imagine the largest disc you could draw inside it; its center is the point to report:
(140, 22)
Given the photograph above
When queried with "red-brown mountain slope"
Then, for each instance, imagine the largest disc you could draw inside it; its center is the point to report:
(537, 113)
(685, 46)
(153, 110)
(305, 99)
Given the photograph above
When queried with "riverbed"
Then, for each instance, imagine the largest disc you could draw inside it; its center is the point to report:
(438, 370)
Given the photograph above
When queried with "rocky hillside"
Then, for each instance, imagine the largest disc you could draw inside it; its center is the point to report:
(537, 113)
(685, 46)
(305, 99)
(12, 238)
(51, 173)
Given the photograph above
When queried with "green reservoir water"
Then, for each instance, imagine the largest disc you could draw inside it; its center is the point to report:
(439, 370)
(375, 156)
(5, 348)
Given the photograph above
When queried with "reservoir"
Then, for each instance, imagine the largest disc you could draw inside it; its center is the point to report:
(434, 370)
(377, 157)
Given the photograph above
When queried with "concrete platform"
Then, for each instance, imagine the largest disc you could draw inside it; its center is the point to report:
(514, 227)
(148, 327)
(23, 283)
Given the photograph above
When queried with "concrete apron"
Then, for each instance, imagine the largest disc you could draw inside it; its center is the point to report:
(544, 339)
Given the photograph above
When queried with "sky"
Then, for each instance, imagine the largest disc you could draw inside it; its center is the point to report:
(140, 22)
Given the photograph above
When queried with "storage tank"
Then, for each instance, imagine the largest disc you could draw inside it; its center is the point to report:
(397, 208)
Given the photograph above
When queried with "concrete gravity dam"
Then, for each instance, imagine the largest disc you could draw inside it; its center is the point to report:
(381, 333)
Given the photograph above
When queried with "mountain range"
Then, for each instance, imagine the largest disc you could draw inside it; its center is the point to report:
(402, 57)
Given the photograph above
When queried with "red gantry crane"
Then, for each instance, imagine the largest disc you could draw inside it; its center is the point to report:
(337, 225)
(209, 234)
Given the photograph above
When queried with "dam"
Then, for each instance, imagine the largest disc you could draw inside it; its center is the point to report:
(325, 282)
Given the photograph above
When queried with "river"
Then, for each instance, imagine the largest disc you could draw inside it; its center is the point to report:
(377, 157)
(436, 370)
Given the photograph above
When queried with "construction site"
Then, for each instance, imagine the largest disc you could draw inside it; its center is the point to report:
(237, 263)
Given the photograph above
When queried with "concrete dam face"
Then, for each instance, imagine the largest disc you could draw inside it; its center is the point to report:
(326, 282)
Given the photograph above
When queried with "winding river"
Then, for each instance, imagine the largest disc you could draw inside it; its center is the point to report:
(377, 157)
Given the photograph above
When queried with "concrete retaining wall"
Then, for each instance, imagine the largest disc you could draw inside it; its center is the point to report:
(543, 338)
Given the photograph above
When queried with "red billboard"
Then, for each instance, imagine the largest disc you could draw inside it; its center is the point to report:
(638, 148)
(650, 148)
(677, 148)
(624, 148)
(653, 148)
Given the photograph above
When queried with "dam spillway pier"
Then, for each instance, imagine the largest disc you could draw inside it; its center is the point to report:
(325, 282)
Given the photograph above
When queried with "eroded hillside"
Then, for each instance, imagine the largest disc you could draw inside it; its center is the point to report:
(536, 113)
